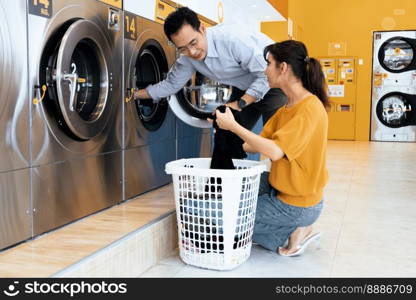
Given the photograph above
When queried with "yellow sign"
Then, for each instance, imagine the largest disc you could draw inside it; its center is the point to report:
(130, 26)
(337, 48)
(41, 8)
(378, 79)
(328, 67)
(115, 3)
(346, 70)
(44, 2)
(220, 12)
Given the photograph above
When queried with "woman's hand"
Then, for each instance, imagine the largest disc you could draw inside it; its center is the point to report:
(226, 120)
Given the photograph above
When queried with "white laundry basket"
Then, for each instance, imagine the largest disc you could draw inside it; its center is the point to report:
(215, 211)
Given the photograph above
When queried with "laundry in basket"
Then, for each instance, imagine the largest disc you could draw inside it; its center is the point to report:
(215, 211)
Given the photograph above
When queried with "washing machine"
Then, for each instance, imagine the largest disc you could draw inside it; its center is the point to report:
(393, 116)
(15, 216)
(173, 128)
(149, 135)
(75, 83)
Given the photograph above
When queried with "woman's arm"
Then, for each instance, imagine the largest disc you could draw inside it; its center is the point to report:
(248, 148)
(258, 143)
(255, 142)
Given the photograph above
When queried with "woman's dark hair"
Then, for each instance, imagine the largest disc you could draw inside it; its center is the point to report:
(306, 68)
(178, 18)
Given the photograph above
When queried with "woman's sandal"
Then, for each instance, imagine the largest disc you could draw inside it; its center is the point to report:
(302, 246)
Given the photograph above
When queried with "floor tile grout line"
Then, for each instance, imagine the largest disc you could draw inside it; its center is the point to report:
(344, 212)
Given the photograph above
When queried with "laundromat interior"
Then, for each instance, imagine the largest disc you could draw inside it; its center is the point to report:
(83, 186)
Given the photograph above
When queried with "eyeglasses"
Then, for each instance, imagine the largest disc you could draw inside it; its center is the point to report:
(192, 45)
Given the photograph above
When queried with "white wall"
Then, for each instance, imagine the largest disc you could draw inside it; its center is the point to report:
(239, 14)
(207, 8)
(233, 13)
(144, 8)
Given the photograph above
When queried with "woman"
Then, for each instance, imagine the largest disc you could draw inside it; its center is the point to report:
(295, 139)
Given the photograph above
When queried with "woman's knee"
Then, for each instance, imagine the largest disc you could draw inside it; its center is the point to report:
(311, 215)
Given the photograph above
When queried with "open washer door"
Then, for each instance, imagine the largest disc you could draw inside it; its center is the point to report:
(198, 99)
(148, 66)
(79, 78)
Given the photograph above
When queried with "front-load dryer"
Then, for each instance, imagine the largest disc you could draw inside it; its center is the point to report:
(393, 111)
(75, 80)
(15, 210)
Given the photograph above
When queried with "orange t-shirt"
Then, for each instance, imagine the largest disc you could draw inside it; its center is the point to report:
(301, 132)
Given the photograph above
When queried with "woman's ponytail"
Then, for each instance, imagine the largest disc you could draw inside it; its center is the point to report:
(314, 80)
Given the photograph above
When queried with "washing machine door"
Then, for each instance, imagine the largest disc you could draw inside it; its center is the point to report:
(149, 66)
(82, 74)
(396, 109)
(397, 54)
(198, 99)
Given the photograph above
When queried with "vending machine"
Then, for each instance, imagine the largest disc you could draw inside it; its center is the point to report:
(340, 76)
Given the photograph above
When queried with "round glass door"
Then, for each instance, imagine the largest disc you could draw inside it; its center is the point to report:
(393, 110)
(396, 54)
(76, 71)
(85, 64)
(150, 67)
(201, 96)
(198, 99)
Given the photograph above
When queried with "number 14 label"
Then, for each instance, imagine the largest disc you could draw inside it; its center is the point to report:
(130, 26)
(41, 8)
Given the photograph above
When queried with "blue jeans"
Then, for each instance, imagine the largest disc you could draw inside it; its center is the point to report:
(275, 220)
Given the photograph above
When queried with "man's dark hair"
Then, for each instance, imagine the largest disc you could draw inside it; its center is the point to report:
(178, 18)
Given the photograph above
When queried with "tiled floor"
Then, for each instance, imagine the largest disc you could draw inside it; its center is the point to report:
(368, 222)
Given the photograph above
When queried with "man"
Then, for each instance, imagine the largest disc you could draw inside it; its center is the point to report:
(223, 54)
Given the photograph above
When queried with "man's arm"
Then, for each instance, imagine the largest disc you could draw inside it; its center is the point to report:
(251, 59)
(246, 97)
(176, 78)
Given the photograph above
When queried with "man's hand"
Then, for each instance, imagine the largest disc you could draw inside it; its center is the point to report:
(141, 94)
(233, 105)
(246, 97)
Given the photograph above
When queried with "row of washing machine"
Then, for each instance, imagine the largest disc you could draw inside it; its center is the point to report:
(72, 142)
